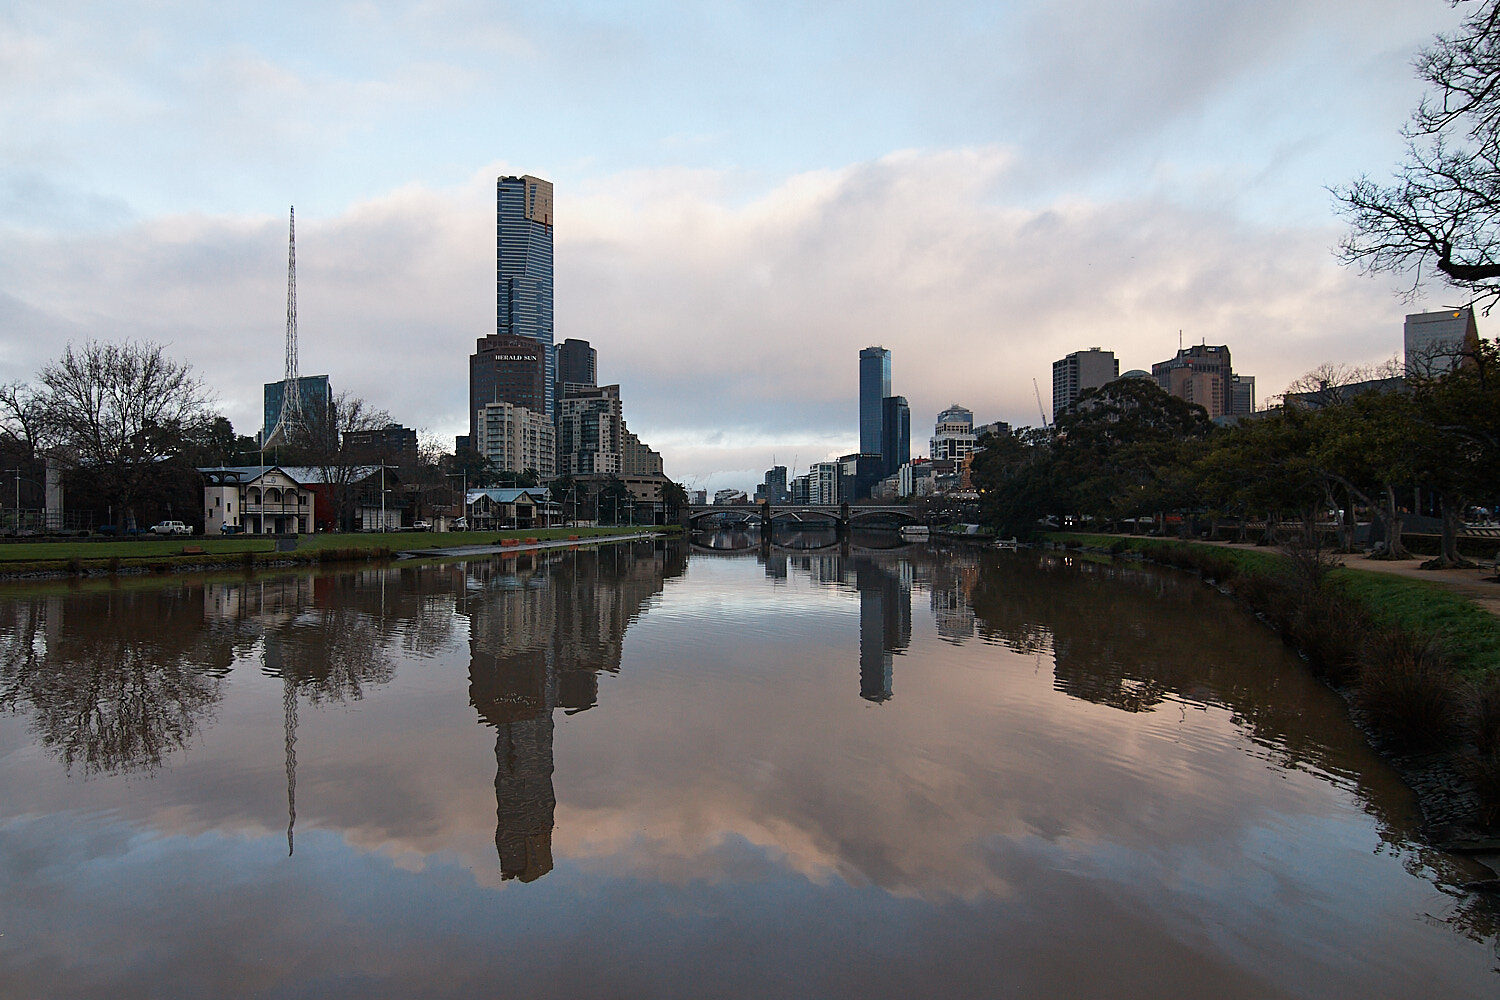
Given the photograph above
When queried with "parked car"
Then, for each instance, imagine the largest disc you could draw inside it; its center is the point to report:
(422, 526)
(171, 528)
(459, 524)
(229, 529)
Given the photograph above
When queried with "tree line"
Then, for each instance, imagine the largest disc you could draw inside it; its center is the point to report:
(129, 426)
(1129, 452)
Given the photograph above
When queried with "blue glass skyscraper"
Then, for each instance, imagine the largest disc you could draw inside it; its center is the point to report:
(874, 386)
(523, 267)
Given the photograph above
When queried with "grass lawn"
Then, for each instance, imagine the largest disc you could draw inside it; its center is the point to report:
(1470, 634)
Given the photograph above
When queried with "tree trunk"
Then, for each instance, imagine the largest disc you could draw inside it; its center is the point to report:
(1394, 549)
(1448, 555)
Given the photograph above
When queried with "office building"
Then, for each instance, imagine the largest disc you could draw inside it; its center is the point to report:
(1200, 374)
(953, 435)
(1437, 341)
(523, 270)
(874, 386)
(636, 457)
(515, 439)
(774, 487)
(577, 364)
(506, 368)
(895, 434)
(858, 475)
(1241, 395)
(1079, 372)
(823, 483)
(392, 444)
(316, 397)
(589, 432)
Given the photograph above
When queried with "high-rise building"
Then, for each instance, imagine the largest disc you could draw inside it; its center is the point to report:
(953, 435)
(392, 444)
(1436, 341)
(523, 269)
(515, 439)
(1078, 372)
(874, 386)
(1241, 395)
(823, 483)
(577, 364)
(316, 397)
(589, 439)
(895, 434)
(1199, 374)
(506, 368)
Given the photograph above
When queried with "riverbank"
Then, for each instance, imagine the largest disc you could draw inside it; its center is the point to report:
(62, 559)
(1417, 660)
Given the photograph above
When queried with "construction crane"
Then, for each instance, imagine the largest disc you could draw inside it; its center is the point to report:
(1039, 408)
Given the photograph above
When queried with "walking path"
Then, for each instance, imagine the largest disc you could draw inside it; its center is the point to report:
(560, 543)
(1479, 585)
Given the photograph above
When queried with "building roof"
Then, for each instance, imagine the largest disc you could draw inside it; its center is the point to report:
(510, 494)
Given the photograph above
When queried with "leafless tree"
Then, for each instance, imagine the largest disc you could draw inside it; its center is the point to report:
(118, 409)
(323, 443)
(23, 418)
(1441, 211)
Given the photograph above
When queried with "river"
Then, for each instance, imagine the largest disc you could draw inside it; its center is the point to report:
(658, 769)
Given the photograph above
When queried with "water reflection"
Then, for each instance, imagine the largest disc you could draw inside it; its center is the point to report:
(540, 633)
(686, 759)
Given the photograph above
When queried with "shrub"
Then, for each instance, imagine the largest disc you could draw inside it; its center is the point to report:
(1409, 692)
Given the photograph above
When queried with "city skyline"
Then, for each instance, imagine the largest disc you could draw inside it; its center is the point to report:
(151, 152)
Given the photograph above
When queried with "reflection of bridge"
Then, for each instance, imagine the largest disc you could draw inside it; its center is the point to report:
(840, 515)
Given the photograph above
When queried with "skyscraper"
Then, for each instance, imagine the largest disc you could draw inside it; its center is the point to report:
(577, 364)
(1199, 374)
(1080, 371)
(874, 386)
(1436, 341)
(523, 268)
(505, 368)
(895, 434)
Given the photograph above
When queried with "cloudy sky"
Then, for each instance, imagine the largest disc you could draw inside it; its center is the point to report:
(747, 194)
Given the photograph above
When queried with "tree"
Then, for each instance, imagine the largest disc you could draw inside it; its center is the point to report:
(1441, 211)
(674, 501)
(23, 418)
(323, 444)
(117, 410)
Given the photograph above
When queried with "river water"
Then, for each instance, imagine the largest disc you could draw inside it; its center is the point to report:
(668, 770)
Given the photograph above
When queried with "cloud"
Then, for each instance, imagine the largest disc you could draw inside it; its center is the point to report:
(717, 314)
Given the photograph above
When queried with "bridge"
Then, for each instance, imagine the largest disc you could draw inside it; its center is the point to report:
(842, 516)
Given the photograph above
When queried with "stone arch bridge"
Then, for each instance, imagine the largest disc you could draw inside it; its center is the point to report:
(842, 516)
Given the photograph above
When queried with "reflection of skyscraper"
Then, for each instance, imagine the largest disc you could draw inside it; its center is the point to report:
(884, 627)
(537, 643)
(524, 800)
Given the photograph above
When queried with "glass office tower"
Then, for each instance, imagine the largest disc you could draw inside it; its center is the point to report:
(874, 386)
(523, 267)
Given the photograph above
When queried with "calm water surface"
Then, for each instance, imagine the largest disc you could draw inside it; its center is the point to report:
(662, 770)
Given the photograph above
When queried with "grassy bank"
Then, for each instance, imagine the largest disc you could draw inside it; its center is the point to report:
(162, 555)
(1420, 664)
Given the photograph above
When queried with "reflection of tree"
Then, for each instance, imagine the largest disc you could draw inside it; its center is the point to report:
(1134, 637)
(115, 680)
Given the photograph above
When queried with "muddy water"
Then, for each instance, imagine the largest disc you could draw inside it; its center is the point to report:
(684, 771)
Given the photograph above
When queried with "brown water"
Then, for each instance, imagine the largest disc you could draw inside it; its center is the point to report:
(650, 771)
